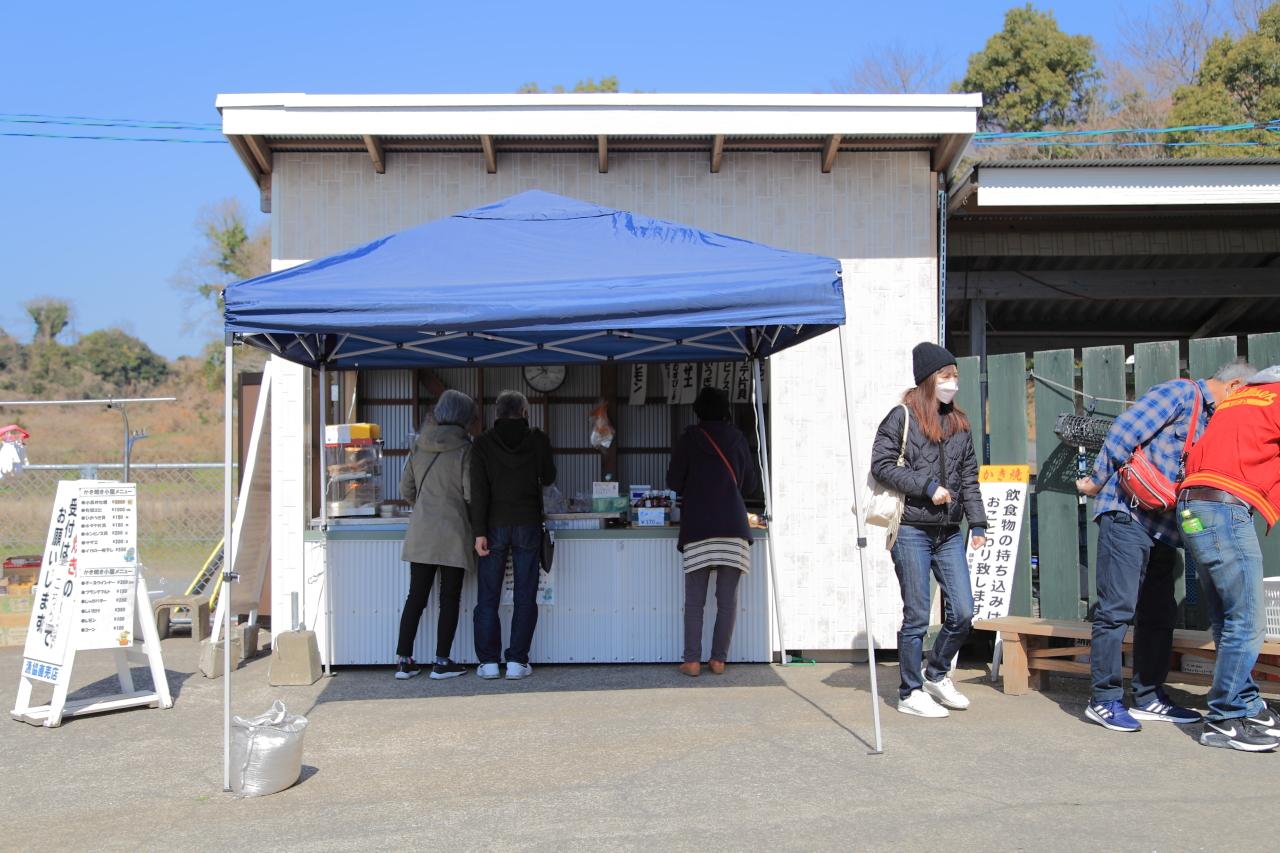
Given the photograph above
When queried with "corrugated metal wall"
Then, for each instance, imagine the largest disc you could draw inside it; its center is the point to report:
(616, 601)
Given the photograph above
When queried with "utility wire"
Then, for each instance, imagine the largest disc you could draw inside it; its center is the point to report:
(111, 122)
(115, 138)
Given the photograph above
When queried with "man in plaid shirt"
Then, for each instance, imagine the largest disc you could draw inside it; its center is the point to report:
(1137, 560)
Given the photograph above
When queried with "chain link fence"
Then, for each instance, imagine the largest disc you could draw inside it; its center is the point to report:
(179, 513)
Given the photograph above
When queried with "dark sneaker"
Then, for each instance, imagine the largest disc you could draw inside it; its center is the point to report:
(448, 669)
(1112, 715)
(1267, 720)
(1237, 733)
(1161, 710)
(406, 669)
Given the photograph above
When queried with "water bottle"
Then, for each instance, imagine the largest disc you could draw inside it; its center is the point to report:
(1191, 524)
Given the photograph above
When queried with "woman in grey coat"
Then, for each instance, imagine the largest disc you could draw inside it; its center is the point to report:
(437, 482)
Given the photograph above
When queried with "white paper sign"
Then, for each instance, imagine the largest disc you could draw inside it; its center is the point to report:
(741, 392)
(546, 589)
(46, 647)
(688, 383)
(991, 568)
(671, 375)
(639, 384)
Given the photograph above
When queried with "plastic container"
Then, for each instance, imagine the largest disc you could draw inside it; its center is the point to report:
(1271, 600)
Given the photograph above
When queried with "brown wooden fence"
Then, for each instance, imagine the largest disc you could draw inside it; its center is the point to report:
(1055, 576)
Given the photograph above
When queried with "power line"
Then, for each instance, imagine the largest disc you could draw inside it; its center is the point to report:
(110, 122)
(115, 138)
(1151, 143)
(1273, 125)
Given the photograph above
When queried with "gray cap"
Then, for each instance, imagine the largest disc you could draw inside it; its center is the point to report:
(1266, 376)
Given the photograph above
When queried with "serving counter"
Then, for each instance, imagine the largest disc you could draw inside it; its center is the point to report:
(614, 596)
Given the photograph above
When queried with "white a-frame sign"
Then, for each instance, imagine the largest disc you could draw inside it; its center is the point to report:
(89, 596)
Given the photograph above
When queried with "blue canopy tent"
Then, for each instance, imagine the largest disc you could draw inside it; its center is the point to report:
(539, 278)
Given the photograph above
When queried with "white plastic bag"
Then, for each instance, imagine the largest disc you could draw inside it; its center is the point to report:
(266, 751)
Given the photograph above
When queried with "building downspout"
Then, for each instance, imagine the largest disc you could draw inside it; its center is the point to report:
(942, 259)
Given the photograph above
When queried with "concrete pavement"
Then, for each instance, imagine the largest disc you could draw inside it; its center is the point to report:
(624, 758)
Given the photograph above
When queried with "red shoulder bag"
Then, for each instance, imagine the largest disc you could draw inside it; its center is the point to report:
(1144, 483)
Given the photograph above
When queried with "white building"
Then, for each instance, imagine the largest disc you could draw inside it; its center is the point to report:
(853, 177)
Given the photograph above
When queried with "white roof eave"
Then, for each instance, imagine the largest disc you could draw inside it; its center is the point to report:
(297, 114)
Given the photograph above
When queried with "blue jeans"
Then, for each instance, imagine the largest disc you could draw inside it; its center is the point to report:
(522, 543)
(1136, 576)
(918, 551)
(1229, 563)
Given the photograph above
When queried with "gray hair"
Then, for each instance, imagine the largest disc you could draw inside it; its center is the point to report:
(454, 407)
(512, 404)
(1238, 368)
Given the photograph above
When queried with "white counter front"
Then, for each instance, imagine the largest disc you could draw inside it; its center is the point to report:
(616, 596)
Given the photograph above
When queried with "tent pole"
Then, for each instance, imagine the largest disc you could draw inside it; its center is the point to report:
(324, 524)
(862, 542)
(767, 482)
(228, 551)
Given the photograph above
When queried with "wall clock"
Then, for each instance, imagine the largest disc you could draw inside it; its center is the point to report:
(545, 378)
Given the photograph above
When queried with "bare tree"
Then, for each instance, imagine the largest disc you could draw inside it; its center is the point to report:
(1168, 41)
(896, 69)
(1243, 15)
(50, 316)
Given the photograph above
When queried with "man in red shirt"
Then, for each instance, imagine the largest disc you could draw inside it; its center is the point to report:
(1231, 473)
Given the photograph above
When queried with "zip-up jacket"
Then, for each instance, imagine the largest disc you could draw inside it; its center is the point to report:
(510, 464)
(950, 463)
(1240, 450)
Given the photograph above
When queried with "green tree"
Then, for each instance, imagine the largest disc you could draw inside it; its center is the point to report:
(119, 359)
(50, 316)
(1032, 75)
(1237, 83)
(606, 84)
(231, 250)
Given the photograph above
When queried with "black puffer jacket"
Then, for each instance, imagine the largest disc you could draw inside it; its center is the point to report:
(950, 463)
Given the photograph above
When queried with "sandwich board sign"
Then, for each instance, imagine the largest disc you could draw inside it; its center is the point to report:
(991, 567)
(89, 596)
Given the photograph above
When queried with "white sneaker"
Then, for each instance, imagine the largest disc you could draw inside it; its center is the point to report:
(946, 694)
(518, 670)
(921, 704)
(488, 670)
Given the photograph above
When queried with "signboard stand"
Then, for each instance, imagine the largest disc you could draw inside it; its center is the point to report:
(89, 596)
(991, 568)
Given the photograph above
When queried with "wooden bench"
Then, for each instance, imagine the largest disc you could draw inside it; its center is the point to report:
(1028, 658)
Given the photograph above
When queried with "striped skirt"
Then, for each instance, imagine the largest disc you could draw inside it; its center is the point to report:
(710, 553)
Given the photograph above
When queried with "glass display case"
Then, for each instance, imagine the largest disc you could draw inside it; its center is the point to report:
(353, 464)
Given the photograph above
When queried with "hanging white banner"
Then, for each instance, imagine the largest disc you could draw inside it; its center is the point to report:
(639, 384)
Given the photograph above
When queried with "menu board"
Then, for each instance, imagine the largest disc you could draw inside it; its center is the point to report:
(86, 593)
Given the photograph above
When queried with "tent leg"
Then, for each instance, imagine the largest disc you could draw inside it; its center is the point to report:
(862, 542)
(761, 438)
(227, 563)
(324, 523)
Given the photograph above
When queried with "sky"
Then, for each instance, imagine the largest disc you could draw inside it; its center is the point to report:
(106, 225)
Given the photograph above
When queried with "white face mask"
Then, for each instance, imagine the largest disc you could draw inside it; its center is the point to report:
(946, 390)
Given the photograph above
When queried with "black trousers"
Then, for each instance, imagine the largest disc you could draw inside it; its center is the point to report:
(421, 577)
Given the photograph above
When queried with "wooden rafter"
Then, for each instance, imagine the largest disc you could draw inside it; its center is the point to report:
(374, 145)
(261, 152)
(947, 153)
(490, 155)
(829, 150)
(717, 152)
(602, 152)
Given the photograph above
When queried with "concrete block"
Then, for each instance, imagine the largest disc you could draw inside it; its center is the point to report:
(295, 661)
(211, 655)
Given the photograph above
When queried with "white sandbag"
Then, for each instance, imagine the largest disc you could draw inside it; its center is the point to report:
(266, 751)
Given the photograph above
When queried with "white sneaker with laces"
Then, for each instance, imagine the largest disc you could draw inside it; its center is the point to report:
(921, 704)
(946, 694)
(518, 670)
(488, 670)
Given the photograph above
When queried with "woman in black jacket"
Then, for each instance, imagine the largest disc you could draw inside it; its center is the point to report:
(939, 483)
(711, 469)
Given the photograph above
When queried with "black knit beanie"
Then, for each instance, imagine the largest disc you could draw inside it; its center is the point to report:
(927, 359)
(712, 405)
